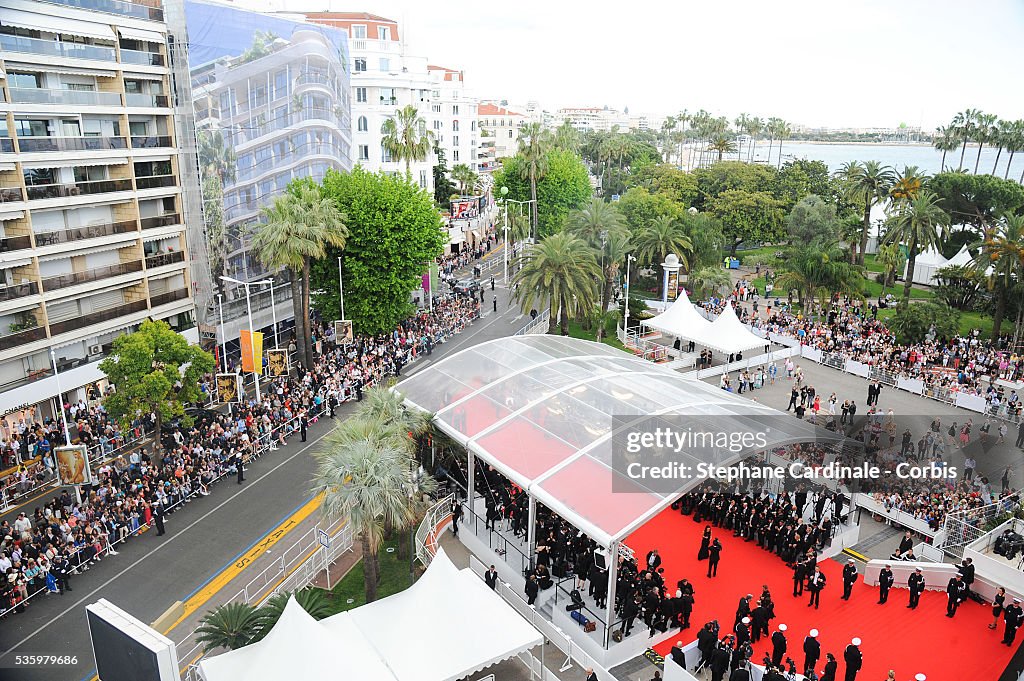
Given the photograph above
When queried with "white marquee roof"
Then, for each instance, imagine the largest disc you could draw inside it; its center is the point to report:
(539, 409)
(726, 334)
(680, 319)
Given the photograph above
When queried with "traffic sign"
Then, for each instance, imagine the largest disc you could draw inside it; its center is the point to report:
(323, 538)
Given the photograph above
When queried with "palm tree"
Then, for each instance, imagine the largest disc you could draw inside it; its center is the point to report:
(908, 183)
(231, 626)
(534, 143)
(567, 138)
(1014, 143)
(783, 132)
(603, 228)
(819, 270)
(919, 223)
(945, 140)
(984, 132)
(1001, 260)
(708, 280)
(313, 600)
(754, 128)
(868, 182)
(1002, 133)
(774, 128)
(406, 138)
(365, 480)
(663, 236)
(742, 122)
(561, 269)
(964, 124)
(299, 226)
(465, 176)
(723, 145)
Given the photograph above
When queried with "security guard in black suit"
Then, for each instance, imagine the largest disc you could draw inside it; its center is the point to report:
(916, 585)
(849, 578)
(885, 582)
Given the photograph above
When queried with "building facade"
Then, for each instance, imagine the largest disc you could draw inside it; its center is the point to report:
(384, 80)
(593, 118)
(454, 116)
(499, 127)
(93, 222)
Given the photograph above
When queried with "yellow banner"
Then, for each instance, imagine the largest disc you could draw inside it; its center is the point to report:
(252, 351)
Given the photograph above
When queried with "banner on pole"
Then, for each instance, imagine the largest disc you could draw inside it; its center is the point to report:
(72, 465)
(252, 351)
(343, 334)
(277, 362)
(228, 388)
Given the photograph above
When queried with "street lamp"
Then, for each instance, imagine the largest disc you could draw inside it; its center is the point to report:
(341, 291)
(625, 315)
(248, 309)
(504, 193)
(64, 419)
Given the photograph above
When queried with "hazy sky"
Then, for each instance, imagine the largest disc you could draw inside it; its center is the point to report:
(815, 62)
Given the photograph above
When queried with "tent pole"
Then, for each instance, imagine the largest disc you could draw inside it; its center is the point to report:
(531, 530)
(471, 485)
(613, 576)
(542, 646)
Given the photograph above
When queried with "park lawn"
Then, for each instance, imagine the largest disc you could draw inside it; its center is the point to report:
(764, 250)
(871, 263)
(577, 331)
(969, 321)
(394, 577)
(872, 289)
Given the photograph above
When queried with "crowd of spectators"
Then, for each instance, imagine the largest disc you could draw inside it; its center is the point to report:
(41, 550)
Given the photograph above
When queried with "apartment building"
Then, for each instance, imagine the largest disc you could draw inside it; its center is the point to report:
(593, 118)
(499, 130)
(454, 116)
(92, 223)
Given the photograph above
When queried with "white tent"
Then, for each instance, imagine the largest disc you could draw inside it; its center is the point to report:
(681, 319)
(925, 266)
(297, 639)
(963, 258)
(729, 335)
(446, 626)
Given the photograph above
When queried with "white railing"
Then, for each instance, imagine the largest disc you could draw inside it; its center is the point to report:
(296, 569)
(429, 531)
(538, 325)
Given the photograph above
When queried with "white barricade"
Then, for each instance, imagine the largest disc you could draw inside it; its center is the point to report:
(911, 385)
(973, 402)
(810, 353)
(857, 368)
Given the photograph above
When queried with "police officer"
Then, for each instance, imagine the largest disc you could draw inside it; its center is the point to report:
(239, 466)
(854, 659)
(812, 651)
(885, 582)
(916, 585)
(1012, 615)
(849, 578)
(158, 515)
(956, 591)
(779, 645)
(61, 572)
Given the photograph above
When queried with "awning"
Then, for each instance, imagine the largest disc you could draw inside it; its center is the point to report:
(149, 159)
(161, 237)
(11, 215)
(7, 166)
(72, 163)
(23, 66)
(48, 23)
(11, 264)
(144, 76)
(141, 34)
(88, 251)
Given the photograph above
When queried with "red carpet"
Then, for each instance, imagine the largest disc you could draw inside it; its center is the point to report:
(893, 636)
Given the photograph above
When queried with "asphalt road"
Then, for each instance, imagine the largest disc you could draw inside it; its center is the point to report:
(150, 573)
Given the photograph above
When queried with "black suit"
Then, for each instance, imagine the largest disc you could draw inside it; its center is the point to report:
(956, 591)
(916, 585)
(714, 555)
(849, 579)
(719, 664)
(532, 589)
(885, 581)
(829, 672)
(491, 579)
(812, 651)
(815, 584)
(854, 661)
(778, 648)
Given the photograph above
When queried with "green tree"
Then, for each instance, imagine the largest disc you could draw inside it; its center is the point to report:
(669, 181)
(819, 270)
(984, 132)
(747, 216)
(959, 286)
(313, 600)
(662, 236)
(977, 200)
(708, 280)
(465, 176)
(262, 42)
(534, 144)
(565, 187)
(561, 270)
(945, 140)
(868, 183)
(721, 177)
(601, 226)
(640, 207)
(231, 626)
(919, 224)
(801, 178)
(443, 186)
(567, 138)
(812, 220)
(299, 227)
(1001, 261)
(965, 125)
(394, 232)
(217, 166)
(722, 144)
(915, 323)
(154, 370)
(891, 258)
(406, 138)
(705, 233)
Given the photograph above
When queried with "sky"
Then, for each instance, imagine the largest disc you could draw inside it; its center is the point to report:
(854, 63)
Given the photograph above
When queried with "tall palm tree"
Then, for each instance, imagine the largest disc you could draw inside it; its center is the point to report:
(1002, 132)
(908, 183)
(945, 140)
(742, 122)
(783, 132)
(406, 138)
(772, 127)
(723, 145)
(465, 176)
(663, 236)
(818, 271)
(300, 225)
(367, 481)
(561, 269)
(231, 626)
(919, 224)
(868, 182)
(964, 124)
(1001, 260)
(984, 132)
(754, 128)
(534, 144)
(708, 280)
(567, 138)
(1014, 143)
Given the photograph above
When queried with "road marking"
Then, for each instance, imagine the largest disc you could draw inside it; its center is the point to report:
(82, 601)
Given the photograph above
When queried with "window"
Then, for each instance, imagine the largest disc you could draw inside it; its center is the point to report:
(455, 109)
(24, 80)
(363, 124)
(280, 84)
(385, 64)
(455, 155)
(383, 33)
(30, 128)
(455, 140)
(385, 155)
(364, 152)
(455, 126)
(423, 179)
(360, 65)
(510, 134)
(387, 95)
(437, 124)
(359, 31)
(472, 126)
(361, 94)
(88, 87)
(436, 108)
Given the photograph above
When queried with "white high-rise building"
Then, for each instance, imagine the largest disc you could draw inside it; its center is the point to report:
(501, 125)
(93, 186)
(454, 113)
(384, 79)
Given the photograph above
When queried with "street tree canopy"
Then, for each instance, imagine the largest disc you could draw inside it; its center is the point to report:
(746, 216)
(564, 187)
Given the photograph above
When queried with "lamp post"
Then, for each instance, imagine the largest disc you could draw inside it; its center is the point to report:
(64, 419)
(273, 311)
(504, 193)
(625, 315)
(248, 309)
(223, 338)
(341, 291)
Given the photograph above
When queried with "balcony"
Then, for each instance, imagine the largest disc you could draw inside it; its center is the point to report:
(161, 221)
(169, 297)
(56, 191)
(6, 145)
(69, 97)
(8, 194)
(95, 143)
(93, 317)
(364, 44)
(164, 259)
(311, 78)
(141, 58)
(65, 236)
(154, 181)
(18, 291)
(74, 278)
(139, 99)
(52, 48)
(126, 9)
(13, 340)
(15, 243)
(151, 141)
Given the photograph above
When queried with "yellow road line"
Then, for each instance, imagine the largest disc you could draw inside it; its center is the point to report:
(858, 556)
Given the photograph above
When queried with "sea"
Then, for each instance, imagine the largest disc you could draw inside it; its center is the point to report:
(896, 155)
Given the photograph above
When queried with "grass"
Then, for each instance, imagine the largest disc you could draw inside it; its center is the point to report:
(394, 577)
(577, 331)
